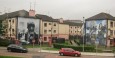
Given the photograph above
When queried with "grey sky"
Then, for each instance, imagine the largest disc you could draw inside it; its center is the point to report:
(67, 9)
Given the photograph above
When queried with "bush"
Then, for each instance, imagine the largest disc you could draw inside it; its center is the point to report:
(4, 42)
(113, 50)
(78, 48)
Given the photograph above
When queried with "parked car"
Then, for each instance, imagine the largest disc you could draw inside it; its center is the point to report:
(69, 52)
(17, 48)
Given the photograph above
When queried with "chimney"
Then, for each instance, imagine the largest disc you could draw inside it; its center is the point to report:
(61, 20)
(31, 13)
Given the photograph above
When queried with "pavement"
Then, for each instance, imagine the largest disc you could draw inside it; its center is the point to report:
(83, 53)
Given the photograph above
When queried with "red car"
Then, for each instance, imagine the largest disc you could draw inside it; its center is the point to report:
(69, 52)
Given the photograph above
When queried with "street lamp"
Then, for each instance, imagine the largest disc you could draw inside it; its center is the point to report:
(83, 33)
(40, 40)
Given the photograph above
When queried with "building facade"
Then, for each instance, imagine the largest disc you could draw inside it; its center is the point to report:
(51, 29)
(20, 24)
(100, 28)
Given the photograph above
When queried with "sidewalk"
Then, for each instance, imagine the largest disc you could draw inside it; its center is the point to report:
(83, 53)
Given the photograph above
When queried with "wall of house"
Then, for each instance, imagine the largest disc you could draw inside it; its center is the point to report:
(48, 30)
(11, 27)
(75, 30)
(64, 31)
(111, 32)
(53, 30)
(111, 28)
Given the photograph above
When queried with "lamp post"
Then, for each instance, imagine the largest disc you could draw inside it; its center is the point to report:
(40, 40)
(83, 34)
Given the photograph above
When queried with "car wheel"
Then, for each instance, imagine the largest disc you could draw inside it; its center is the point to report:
(75, 55)
(9, 50)
(61, 54)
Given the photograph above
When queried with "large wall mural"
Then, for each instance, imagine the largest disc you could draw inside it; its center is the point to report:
(28, 30)
(96, 32)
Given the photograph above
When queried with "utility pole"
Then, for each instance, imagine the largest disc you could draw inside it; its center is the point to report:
(83, 33)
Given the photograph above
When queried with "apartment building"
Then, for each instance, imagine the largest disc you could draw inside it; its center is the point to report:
(21, 25)
(100, 28)
(9, 22)
(45, 27)
(75, 29)
(52, 28)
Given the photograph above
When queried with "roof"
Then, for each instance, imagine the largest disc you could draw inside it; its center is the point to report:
(46, 18)
(20, 13)
(101, 16)
(73, 23)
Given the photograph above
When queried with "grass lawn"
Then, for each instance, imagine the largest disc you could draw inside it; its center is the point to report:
(31, 46)
(9, 57)
(44, 47)
(34, 46)
(49, 48)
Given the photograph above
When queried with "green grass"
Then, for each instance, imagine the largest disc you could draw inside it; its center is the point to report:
(35, 46)
(43, 47)
(9, 57)
(49, 48)
(31, 46)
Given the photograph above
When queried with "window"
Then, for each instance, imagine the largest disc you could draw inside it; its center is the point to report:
(54, 24)
(9, 20)
(49, 30)
(12, 30)
(75, 31)
(12, 21)
(71, 31)
(45, 38)
(54, 31)
(111, 32)
(45, 31)
(111, 42)
(75, 27)
(111, 24)
(49, 37)
(45, 24)
(49, 23)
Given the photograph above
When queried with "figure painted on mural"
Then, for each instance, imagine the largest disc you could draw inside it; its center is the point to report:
(31, 34)
(101, 34)
(91, 33)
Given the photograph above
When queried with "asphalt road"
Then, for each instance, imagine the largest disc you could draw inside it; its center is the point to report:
(33, 53)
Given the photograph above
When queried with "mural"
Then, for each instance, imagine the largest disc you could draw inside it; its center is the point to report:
(28, 30)
(96, 31)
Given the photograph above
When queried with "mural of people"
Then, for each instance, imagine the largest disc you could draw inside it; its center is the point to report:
(28, 30)
(31, 34)
(96, 30)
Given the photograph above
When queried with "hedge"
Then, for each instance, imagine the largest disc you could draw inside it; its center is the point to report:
(78, 48)
(4, 42)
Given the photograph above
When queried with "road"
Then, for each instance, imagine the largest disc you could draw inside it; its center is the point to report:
(33, 53)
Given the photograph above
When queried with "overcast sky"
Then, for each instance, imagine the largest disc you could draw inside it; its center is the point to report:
(67, 9)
